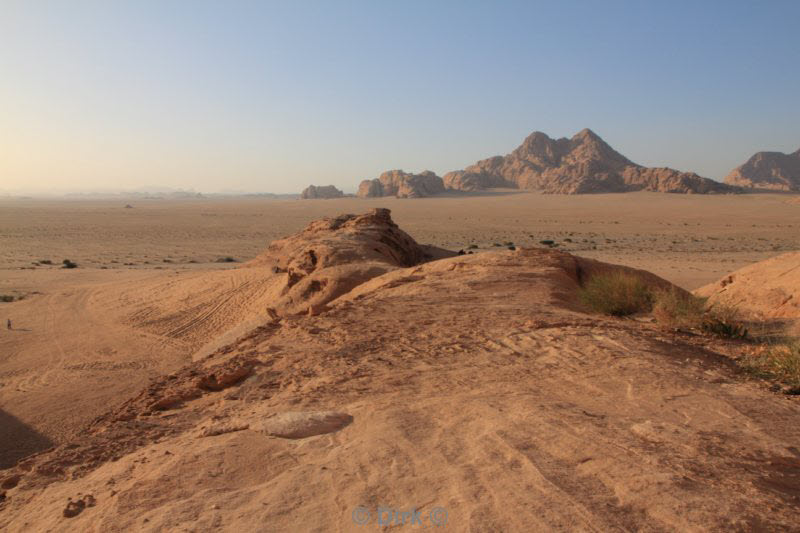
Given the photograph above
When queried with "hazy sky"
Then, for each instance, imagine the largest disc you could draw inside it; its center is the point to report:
(273, 96)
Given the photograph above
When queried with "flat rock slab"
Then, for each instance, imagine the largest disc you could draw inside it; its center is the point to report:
(302, 424)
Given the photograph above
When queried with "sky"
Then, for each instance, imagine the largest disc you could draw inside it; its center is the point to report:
(263, 96)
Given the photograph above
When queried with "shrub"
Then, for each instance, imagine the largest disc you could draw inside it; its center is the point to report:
(472, 247)
(6, 298)
(723, 320)
(45, 262)
(677, 308)
(616, 293)
(69, 264)
(547, 242)
(779, 362)
(226, 260)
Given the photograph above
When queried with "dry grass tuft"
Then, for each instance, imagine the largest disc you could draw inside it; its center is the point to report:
(779, 362)
(724, 321)
(616, 293)
(678, 309)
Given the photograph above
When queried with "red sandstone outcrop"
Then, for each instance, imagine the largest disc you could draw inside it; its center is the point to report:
(402, 185)
(765, 291)
(583, 164)
(333, 255)
(768, 170)
(320, 191)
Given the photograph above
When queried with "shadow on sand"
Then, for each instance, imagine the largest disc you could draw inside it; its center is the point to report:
(18, 440)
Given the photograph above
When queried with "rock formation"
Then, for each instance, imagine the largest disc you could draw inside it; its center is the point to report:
(321, 191)
(583, 164)
(402, 185)
(432, 385)
(333, 255)
(765, 291)
(768, 170)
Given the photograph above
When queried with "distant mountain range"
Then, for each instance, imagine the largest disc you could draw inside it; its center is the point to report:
(583, 164)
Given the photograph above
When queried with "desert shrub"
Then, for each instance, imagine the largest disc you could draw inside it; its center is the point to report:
(547, 242)
(780, 362)
(724, 321)
(472, 247)
(6, 298)
(68, 264)
(45, 262)
(678, 309)
(226, 260)
(616, 293)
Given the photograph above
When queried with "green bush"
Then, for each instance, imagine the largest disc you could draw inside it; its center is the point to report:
(616, 293)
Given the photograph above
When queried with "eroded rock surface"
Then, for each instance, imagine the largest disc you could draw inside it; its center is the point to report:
(320, 191)
(768, 170)
(402, 185)
(583, 164)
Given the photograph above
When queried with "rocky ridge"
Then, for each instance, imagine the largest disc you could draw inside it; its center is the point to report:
(320, 191)
(768, 170)
(583, 164)
(402, 185)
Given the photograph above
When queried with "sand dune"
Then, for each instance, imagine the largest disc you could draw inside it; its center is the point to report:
(475, 389)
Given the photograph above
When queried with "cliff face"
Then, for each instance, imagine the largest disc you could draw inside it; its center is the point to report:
(402, 185)
(583, 164)
(768, 170)
(321, 191)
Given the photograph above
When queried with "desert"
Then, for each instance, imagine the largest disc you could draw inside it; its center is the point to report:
(216, 379)
(399, 266)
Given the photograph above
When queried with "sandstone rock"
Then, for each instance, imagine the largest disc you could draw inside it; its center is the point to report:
(768, 170)
(320, 191)
(583, 164)
(402, 185)
(765, 291)
(333, 255)
(300, 425)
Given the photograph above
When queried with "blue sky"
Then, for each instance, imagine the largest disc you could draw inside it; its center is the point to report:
(273, 96)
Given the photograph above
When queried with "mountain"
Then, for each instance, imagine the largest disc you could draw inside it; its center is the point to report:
(583, 164)
(402, 185)
(320, 191)
(768, 170)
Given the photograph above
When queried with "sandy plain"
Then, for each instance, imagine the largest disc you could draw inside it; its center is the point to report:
(687, 239)
(149, 297)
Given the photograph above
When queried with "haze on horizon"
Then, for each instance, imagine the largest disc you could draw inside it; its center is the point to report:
(268, 96)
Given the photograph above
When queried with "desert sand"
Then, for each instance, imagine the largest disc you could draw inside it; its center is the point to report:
(298, 391)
